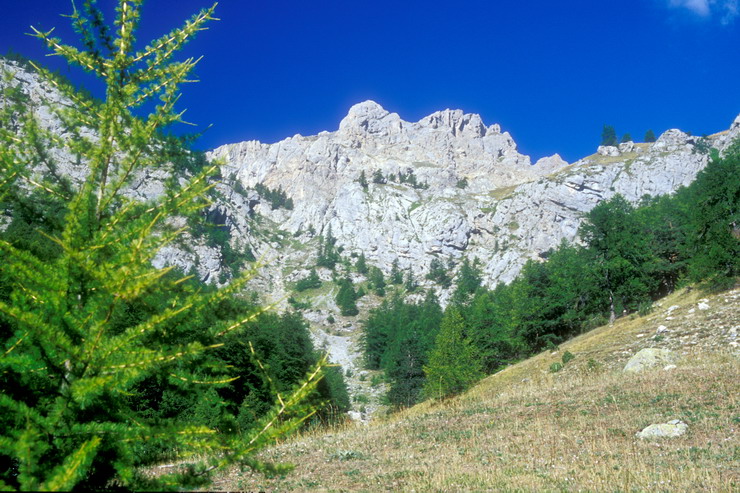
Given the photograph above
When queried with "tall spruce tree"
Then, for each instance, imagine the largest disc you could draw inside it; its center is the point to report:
(608, 136)
(70, 365)
(346, 298)
(361, 264)
(396, 276)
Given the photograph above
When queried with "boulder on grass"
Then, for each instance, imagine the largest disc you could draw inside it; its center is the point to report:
(671, 429)
(649, 358)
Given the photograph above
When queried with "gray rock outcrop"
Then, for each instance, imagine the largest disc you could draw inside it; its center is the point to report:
(672, 429)
(649, 358)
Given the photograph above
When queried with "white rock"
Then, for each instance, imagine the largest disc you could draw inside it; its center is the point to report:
(649, 358)
(608, 151)
(672, 429)
(703, 306)
(661, 329)
(626, 147)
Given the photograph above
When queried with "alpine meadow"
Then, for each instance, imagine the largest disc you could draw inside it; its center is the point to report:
(389, 305)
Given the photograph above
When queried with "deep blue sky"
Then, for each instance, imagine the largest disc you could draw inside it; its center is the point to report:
(550, 72)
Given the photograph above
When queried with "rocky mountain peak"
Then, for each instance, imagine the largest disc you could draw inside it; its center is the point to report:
(369, 117)
(459, 123)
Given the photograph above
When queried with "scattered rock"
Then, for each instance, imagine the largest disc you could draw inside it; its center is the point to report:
(648, 358)
(671, 429)
(669, 367)
(608, 151)
(703, 306)
(661, 329)
(626, 147)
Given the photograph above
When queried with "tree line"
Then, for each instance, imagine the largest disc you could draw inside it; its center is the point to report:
(630, 256)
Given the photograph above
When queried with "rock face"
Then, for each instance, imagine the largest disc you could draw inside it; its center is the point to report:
(649, 358)
(484, 199)
(672, 429)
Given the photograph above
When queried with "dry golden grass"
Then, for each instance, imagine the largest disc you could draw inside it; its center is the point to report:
(526, 429)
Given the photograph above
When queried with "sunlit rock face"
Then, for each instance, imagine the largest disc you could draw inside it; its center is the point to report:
(475, 194)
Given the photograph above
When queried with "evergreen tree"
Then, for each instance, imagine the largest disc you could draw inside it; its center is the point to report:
(492, 329)
(406, 369)
(378, 177)
(650, 136)
(410, 283)
(311, 281)
(72, 362)
(713, 232)
(346, 298)
(361, 264)
(621, 252)
(438, 273)
(454, 364)
(665, 221)
(377, 280)
(396, 276)
(468, 281)
(626, 138)
(608, 136)
(328, 256)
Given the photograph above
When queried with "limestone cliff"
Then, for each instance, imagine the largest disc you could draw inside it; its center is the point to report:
(484, 199)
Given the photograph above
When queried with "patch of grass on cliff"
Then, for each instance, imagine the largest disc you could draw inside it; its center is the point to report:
(502, 193)
(425, 164)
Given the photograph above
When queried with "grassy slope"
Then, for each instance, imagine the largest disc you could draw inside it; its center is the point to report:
(528, 429)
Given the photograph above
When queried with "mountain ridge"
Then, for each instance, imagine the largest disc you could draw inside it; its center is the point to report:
(483, 200)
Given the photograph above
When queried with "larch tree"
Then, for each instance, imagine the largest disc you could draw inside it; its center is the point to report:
(454, 364)
(68, 414)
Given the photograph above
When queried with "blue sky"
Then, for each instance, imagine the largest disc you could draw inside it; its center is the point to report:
(552, 73)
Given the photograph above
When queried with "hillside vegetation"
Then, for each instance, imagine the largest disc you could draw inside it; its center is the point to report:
(527, 428)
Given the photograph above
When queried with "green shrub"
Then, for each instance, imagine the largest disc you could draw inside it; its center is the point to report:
(311, 281)
(567, 356)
